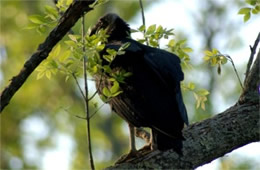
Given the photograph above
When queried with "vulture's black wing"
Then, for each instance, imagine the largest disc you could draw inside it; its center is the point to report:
(167, 66)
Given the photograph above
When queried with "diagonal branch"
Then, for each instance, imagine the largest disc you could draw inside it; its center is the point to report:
(70, 17)
(205, 140)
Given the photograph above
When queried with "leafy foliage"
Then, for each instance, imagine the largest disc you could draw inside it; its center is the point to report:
(199, 94)
(248, 11)
(153, 34)
(215, 58)
(180, 49)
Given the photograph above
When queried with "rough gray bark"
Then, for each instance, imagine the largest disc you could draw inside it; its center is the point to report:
(212, 138)
(70, 17)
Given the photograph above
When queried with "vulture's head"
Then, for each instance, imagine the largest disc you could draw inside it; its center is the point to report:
(115, 27)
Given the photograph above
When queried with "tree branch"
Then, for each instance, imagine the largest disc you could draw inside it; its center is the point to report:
(214, 137)
(206, 140)
(70, 17)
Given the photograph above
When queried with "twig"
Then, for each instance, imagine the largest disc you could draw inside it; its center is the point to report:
(70, 17)
(77, 83)
(86, 101)
(234, 67)
(143, 19)
(93, 114)
(253, 51)
(84, 118)
(90, 98)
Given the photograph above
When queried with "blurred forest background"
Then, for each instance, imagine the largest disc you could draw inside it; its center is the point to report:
(39, 129)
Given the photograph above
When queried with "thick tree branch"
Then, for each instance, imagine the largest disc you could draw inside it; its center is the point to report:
(214, 137)
(206, 140)
(70, 17)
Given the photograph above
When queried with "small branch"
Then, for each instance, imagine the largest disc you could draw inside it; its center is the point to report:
(234, 67)
(90, 98)
(93, 114)
(84, 118)
(143, 19)
(86, 101)
(77, 83)
(70, 17)
(253, 51)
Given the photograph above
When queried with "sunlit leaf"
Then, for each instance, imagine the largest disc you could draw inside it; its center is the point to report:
(141, 28)
(115, 87)
(106, 92)
(37, 19)
(151, 29)
(247, 17)
(244, 11)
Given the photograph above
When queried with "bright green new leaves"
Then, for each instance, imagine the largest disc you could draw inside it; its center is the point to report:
(153, 34)
(247, 11)
(200, 95)
(62, 5)
(180, 49)
(49, 66)
(41, 23)
(51, 17)
(215, 58)
(109, 93)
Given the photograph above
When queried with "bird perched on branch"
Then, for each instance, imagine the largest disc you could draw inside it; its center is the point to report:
(151, 95)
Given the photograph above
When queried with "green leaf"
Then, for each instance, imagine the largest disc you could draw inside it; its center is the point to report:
(187, 49)
(151, 29)
(106, 92)
(48, 74)
(134, 30)
(68, 2)
(203, 92)
(206, 58)
(141, 28)
(67, 78)
(171, 43)
(244, 11)
(255, 11)
(215, 51)
(117, 93)
(65, 55)
(124, 46)
(120, 53)
(104, 98)
(247, 17)
(191, 86)
(73, 37)
(70, 43)
(182, 42)
(37, 19)
(115, 87)
(111, 51)
(56, 51)
(208, 53)
(159, 29)
(128, 74)
(40, 75)
(51, 11)
(108, 58)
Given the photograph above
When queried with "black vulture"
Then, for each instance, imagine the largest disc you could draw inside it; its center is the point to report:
(151, 95)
